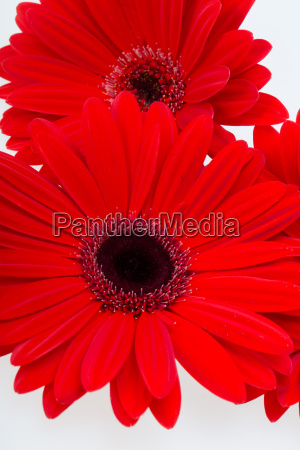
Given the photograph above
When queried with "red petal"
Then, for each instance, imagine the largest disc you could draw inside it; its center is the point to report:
(68, 386)
(236, 325)
(229, 49)
(155, 355)
(52, 407)
(289, 149)
(69, 40)
(192, 110)
(236, 98)
(145, 171)
(77, 12)
(196, 36)
(30, 44)
(17, 330)
(105, 154)
(206, 360)
(107, 15)
(204, 85)
(221, 138)
(61, 99)
(253, 370)
(272, 407)
(267, 110)
(232, 15)
(166, 410)
(267, 139)
(259, 50)
(160, 114)
(27, 298)
(241, 255)
(36, 265)
(43, 343)
(291, 394)
(35, 69)
(133, 393)
(108, 351)
(117, 407)
(258, 75)
(15, 122)
(126, 113)
(183, 164)
(72, 173)
(215, 181)
(39, 373)
(254, 294)
(170, 16)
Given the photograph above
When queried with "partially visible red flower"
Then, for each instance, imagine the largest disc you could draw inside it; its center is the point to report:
(287, 394)
(282, 153)
(78, 312)
(190, 55)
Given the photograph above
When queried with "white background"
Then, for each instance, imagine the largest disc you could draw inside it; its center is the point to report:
(206, 422)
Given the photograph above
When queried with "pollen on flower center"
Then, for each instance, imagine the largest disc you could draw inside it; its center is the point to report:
(133, 273)
(151, 76)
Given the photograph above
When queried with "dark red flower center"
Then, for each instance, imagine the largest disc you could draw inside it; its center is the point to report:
(151, 76)
(135, 273)
(135, 263)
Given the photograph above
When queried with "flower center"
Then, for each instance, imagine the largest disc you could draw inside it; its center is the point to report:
(134, 273)
(135, 263)
(151, 76)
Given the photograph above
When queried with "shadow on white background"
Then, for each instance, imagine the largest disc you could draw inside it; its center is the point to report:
(206, 422)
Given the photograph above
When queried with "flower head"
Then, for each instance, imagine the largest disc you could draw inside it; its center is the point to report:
(190, 55)
(282, 153)
(140, 254)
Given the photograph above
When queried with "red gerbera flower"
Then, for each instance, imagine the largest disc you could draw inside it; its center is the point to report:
(191, 55)
(81, 310)
(282, 153)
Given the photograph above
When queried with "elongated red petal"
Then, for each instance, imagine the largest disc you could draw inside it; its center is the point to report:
(133, 393)
(69, 40)
(18, 330)
(145, 171)
(36, 265)
(39, 373)
(166, 410)
(52, 407)
(108, 165)
(67, 385)
(241, 255)
(43, 343)
(255, 294)
(204, 85)
(268, 110)
(273, 408)
(196, 37)
(236, 325)
(108, 351)
(206, 360)
(73, 174)
(118, 408)
(155, 355)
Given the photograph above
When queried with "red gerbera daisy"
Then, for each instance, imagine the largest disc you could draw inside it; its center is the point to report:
(82, 309)
(190, 55)
(282, 153)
